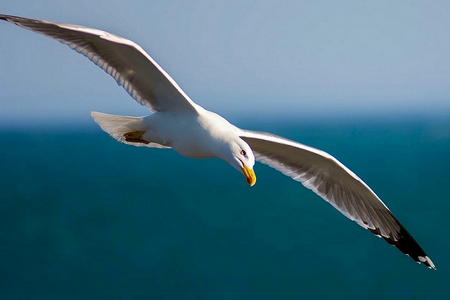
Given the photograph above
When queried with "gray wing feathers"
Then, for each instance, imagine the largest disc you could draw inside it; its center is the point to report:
(326, 178)
(124, 60)
(336, 184)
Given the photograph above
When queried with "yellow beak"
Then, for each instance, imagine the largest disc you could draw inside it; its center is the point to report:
(250, 174)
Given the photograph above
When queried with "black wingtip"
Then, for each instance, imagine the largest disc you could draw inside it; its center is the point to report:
(7, 17)
(10, 18)
(408, 245)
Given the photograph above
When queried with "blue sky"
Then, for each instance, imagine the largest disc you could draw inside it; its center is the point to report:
(242, 58)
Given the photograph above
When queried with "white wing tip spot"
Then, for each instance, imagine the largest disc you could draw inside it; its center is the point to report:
(426, 259)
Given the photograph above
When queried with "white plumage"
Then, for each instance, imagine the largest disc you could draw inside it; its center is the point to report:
(181, 124)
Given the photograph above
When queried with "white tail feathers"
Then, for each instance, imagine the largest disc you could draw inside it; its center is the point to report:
(123, 129)
(118, 126)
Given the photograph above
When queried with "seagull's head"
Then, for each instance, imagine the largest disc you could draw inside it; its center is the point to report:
(240, 156)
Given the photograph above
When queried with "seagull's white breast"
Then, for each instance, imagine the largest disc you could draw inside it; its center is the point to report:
(192, 135)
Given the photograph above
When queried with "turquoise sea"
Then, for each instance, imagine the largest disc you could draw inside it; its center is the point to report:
(85, 217)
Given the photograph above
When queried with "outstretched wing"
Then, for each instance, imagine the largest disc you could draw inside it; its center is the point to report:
(336, 184)
(123, 59)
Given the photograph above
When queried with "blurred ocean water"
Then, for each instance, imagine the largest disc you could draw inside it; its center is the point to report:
(85, 217)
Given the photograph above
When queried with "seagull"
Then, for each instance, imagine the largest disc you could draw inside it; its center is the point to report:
(179, 123)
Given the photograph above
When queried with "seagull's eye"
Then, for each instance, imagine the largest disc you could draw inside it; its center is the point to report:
(243, 153)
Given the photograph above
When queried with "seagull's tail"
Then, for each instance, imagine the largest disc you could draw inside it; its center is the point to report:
(123, 129)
